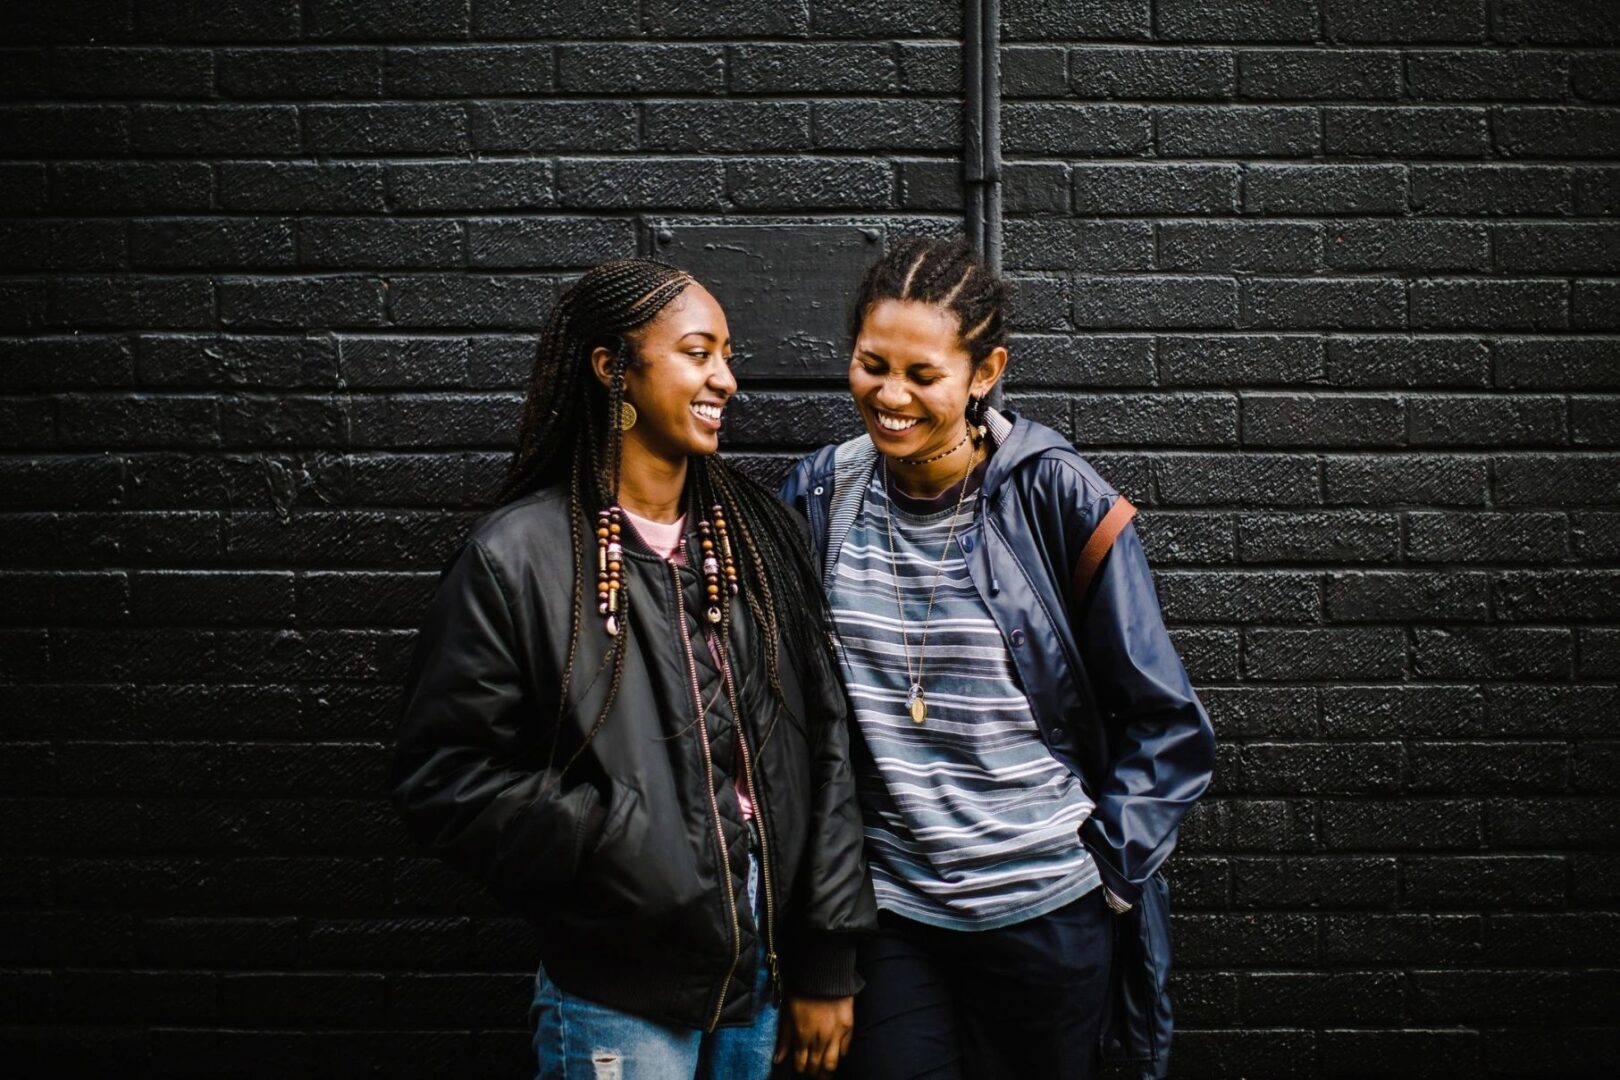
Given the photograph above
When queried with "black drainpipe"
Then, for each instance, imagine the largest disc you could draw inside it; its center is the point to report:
(981, 150)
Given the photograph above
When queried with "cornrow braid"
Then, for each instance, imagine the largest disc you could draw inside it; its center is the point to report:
(947, 273)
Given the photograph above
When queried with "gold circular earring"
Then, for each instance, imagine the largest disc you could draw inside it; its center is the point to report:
(627, 416)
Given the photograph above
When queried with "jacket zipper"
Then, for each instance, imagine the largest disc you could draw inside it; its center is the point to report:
(763, 830)
(708, 786)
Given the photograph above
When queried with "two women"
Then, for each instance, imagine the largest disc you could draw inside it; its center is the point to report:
(624, 718)
(1028, 740)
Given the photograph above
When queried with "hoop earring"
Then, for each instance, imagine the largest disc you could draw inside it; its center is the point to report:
(975, 418)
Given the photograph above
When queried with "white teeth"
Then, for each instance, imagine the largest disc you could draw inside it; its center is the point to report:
(891, 424)
(708, 412)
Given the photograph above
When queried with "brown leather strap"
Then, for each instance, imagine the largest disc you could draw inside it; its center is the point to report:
(1098, 545)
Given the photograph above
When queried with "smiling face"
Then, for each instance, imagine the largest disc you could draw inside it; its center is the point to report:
(911, 377)
(680, 379)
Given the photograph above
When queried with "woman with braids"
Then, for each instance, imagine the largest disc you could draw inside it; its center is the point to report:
(624, 717)
(1028, 740)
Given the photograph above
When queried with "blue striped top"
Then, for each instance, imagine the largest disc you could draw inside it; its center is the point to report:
(971, 824)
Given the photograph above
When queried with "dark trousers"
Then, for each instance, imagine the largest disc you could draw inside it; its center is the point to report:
(1023, 1001)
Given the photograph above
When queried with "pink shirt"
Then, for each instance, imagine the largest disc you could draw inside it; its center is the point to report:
(663, 538)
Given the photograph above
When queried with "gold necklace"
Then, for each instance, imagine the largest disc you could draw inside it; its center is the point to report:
(916, 703)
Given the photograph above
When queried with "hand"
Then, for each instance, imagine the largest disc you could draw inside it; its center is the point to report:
(816, 1033)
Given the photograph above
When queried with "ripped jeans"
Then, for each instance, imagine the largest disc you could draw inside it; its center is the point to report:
(576, 1039)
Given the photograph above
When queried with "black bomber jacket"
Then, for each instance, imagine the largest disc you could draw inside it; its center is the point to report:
(632, 861)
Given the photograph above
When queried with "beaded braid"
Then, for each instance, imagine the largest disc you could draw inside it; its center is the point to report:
(947, 273)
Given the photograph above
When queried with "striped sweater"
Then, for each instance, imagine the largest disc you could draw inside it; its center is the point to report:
(970, 821)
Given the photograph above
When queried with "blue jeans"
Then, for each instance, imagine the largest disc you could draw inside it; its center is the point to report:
(576, 1039)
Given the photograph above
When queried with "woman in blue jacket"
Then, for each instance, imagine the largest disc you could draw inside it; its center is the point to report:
(1029, 739)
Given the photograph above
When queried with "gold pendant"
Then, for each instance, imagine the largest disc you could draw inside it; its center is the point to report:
(917, 706)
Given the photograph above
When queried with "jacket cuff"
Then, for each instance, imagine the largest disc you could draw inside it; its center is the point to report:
(824, 968)
(1116, 882)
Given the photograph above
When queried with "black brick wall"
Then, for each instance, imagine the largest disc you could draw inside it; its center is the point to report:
(1331, 288)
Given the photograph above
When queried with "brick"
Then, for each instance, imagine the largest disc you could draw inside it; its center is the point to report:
(1150, 302)
(202, 20)
(1135, 189)
(374, 19)
(471, 185)
(300, 302)
(1595, 305)
(1324, 189)
(1594, 76)
(1156, 419)
(1236, 131)
(1452, 881)
(1324, 303)
(1034, 71)
(1533, 131)
(1488, 537)
(141, 74)
(1253, 597)
(704, 127)
(937, 185)
(866, 18)
(1580, 22)
(1172, 538)
(516, 302)
(1594, 421)
(378, 242)
(1333, 883)
(1240, 360)
(1244, 480)
(1306, 998)
(1408, 245)
(1158, 73)
(223, 130)
(1322, 420)
(1321, 74)
(1479, 652)
(1547, 248)
(469, 71)
(1478, 75)
(930, 67)
(132, 303)
(1296, 768)
(57, 244)
(130, 421)
(58, 362)
(797, 182)
(1417, 824)
(1408, 362)
(547, 242)
(1333, 536)
(1596, 191)
(1499, 304)
(842, 68)
(1446, 20)
(1273, 938)
(1078, 245)
(1350, 653)
(1597, 536)
(383, 129)
(1207, 246)
(84, 131)
(403, 361)
(23, 186)
(886, 125)
(1071, 130)
(646, 182)
(1471, 767)
(641, 69)
(1244, 20)
(566, 126)
(301, 187)
(1087, 360)
(1067, 20)
(276, 74)
(1405, 938)
(555, 18)
(188, 243)
(210, 360)
(1417, 131)
(1455, 420)
(1406, 597)
(1518, 190)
